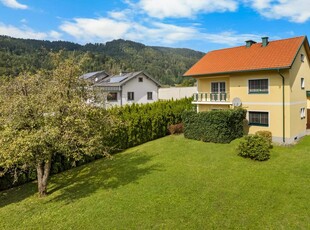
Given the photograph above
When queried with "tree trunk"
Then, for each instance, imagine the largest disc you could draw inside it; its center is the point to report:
(43, 172)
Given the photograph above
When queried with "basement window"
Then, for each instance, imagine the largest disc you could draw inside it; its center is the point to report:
(259, 118)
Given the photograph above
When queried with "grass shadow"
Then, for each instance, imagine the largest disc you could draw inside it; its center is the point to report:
(87, 179)
(17, 194)
(102, 174)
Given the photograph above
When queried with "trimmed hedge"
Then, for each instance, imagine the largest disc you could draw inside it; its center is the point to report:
(218, 126)
(140, 123)
(134, 125)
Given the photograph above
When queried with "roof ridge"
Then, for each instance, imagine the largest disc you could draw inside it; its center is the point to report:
(272, 41)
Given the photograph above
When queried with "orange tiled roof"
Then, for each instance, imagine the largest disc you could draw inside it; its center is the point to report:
(276, 55)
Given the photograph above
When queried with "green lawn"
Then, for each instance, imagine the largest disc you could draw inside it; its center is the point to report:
(171, 183)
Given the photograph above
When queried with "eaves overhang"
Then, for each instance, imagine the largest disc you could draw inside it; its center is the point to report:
(238, 71)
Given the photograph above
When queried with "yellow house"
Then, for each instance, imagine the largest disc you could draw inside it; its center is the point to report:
(270, 79)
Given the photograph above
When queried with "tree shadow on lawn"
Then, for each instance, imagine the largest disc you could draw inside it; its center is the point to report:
(82, 181)
(17, 194)
(101, 174)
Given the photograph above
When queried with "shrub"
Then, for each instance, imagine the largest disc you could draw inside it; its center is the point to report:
(219, 126)
(176, 129)
(267, 135)
(255, 147)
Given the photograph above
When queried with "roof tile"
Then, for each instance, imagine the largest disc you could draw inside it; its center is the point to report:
(277, 54)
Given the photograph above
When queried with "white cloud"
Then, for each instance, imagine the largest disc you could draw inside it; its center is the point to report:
(296, 11)
(230, 38)
(14, 4)
(185, 8)
(120, 15)
(26, 32)
(155, 33)
(105, 29)
(88, 29)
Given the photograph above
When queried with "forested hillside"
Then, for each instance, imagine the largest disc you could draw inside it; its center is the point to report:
(165, 64)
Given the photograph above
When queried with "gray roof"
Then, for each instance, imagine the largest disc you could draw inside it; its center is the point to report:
(121, 79)
(92, 74)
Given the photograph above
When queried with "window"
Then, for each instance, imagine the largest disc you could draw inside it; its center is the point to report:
(302, 113)
(150, 95)
(218, 87)
(218, 91)
(112, 96)
(130, 96)
(258, 86)
(140, 79)
(259, 118)
(302, 57)
(302, 82)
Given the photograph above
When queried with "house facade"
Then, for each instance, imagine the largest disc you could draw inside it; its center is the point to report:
(128, 88)
(270, 79)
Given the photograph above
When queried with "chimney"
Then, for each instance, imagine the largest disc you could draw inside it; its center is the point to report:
(264, 41)
(249, 43)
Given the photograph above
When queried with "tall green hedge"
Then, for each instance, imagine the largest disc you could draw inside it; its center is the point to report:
(140, 123)
(134, 125)
(218, 126)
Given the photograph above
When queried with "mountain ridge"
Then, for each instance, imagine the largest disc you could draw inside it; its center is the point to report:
(165, 64)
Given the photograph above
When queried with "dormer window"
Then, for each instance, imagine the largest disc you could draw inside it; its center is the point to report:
(302, 57)
(140, 79)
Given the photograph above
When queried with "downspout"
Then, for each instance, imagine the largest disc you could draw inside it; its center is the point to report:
(283, 104)
(121, 94)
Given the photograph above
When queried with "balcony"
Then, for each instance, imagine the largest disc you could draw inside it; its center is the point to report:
(212, 98)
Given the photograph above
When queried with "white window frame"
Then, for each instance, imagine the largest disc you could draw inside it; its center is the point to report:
(302, 57)
(111, 100)
(302, 83)
(303, 113)
(130, 96)
(255, 79)
(258, 111)
(218, 82)
(149, 98)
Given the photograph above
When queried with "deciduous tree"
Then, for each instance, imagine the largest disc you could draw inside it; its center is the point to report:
(46, 114)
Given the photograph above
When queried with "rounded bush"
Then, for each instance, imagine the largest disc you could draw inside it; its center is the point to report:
(255, 147)
(267, 135)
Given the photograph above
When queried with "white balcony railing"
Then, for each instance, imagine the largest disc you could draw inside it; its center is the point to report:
(211, 97)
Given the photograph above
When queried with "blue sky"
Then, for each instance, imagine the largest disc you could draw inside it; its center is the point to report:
(202, 25)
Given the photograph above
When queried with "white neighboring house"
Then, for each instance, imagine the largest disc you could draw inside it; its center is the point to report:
(127, 88)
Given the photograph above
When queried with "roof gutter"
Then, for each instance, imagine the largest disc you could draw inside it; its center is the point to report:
(283, 105)
(237, 71)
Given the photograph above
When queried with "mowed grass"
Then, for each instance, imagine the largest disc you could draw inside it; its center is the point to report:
(171, 183)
